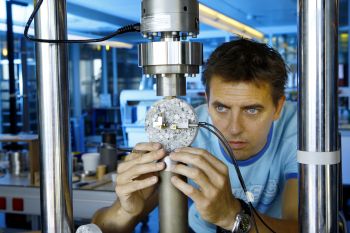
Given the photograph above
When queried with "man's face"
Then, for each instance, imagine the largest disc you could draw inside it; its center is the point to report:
(243, 112)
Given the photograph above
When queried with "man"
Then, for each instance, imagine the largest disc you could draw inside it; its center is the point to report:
(244, 83)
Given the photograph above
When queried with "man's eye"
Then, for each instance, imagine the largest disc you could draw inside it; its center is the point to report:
(220, 108)
(252, 111)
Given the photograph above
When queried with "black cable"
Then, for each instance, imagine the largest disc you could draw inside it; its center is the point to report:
(228, 150)
(122, 30)
(218, 134)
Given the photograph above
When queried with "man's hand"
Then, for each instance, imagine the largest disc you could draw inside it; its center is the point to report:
(137, 177)
(214, 199)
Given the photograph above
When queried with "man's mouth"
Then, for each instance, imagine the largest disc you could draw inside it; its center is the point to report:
(238, 144)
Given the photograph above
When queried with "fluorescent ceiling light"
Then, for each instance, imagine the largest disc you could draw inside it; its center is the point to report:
(72, 36)
(223, 22)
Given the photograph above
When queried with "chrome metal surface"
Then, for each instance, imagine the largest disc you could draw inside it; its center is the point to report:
(53, 87)
(169, 16)
(170, 53)
(169, 22)
(317, 119)
(171, 69)
(169, 60)
(171, 85)
(319, 206)
(318, 24)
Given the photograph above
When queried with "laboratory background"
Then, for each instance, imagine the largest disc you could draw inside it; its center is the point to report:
(109, 95)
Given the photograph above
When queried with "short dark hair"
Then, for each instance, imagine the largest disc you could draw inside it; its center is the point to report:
(244, 60)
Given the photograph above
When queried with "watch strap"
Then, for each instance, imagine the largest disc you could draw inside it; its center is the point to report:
(245, 209)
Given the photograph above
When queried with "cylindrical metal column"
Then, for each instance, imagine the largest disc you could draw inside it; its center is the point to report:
(115, 77)
(25, 108)
(12, 78)
(104, 75)
(173, 210)
(318, 154)
(53, 86)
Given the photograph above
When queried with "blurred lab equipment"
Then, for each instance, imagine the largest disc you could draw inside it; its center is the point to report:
(90, 162)
(133, 107)
(108, 151)
(19, 162)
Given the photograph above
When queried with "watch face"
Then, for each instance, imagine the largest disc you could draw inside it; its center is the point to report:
(245, 223)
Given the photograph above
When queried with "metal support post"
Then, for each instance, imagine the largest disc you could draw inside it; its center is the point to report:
(53, 98)
(115, 76)
(12, 78)
(25, 97)
(104, 76)
(78, 119)
(318, 150)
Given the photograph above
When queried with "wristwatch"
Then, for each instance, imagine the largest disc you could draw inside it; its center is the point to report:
(242, 222)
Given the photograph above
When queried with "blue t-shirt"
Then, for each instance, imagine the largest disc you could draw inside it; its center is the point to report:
(264, 174)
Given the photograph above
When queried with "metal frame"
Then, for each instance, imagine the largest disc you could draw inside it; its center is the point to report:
(53, 98)
(317, 116)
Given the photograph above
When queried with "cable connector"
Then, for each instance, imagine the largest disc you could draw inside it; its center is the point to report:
(250, 196)
(136, 27)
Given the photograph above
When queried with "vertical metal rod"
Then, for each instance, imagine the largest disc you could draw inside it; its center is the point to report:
(53, 87)
(75, 58)
(317, 119)
(78, 118)
(25, 115)
(173, 209)
(115, 76)
(104, 79)
(11, 57)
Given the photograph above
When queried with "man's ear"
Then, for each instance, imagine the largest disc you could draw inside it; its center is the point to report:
(279, 108)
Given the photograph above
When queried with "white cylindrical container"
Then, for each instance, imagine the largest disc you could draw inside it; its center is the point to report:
(90, 161)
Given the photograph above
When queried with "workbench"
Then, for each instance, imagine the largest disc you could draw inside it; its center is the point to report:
(18, 196)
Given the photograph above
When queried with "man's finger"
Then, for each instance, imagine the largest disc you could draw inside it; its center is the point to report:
(197, 160)
(135, 185)
(187, 189)
(138, 170)
(147, 146)
(143, 148)
(218, 164)
(140, 159)
(196, 175)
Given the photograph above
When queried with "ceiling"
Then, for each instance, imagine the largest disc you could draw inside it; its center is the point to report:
(104, 16)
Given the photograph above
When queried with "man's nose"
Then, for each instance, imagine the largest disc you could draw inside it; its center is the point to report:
(235, 124)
